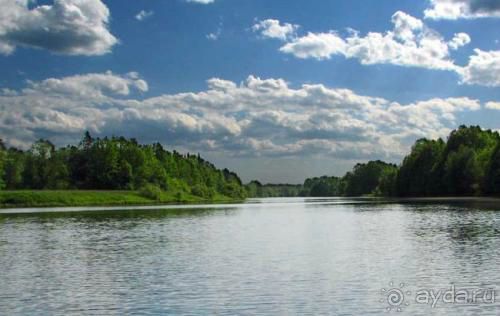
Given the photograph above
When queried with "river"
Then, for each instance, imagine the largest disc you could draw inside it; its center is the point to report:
(288, 256)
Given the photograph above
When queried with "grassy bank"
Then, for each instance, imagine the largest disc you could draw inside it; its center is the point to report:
(47, 198)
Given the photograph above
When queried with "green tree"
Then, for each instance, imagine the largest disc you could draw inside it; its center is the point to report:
(103, 165)
(37, 170)
(462, 172)
(14, 168)
(124, 175)
(254, 189)
(58, 171)
(3, 158)
(492, 179)
(365, 178)
(418, 175)
(387, 185)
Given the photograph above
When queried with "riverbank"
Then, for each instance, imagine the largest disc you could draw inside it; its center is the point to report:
(54, 198)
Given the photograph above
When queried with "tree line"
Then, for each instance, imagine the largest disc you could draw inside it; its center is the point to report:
(113, 163)
(466, 164)
(257, 189)
(362, 180)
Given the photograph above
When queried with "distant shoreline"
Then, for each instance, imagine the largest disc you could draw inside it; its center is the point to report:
(451, 199)
(96, 198)
(448, 199)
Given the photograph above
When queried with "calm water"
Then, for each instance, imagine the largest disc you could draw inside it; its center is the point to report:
(266, 257)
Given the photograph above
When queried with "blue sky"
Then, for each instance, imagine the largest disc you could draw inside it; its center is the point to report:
(276, 90)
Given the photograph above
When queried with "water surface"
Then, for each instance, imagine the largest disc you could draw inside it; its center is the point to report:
(264, 257)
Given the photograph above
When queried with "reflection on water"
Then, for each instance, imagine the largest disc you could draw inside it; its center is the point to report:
(267, 257)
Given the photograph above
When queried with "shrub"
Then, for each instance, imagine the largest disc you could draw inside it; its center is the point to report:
(151, 191)
(202, 191)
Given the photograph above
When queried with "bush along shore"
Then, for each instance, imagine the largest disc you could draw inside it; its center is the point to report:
(61, 198)
(110, 171)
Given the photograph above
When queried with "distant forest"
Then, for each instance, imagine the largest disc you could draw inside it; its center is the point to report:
(467, 164)
(114, 164)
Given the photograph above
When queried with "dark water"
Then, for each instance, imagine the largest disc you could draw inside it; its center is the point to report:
(268, 257)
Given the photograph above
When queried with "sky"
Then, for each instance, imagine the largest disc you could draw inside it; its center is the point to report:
(276, 90)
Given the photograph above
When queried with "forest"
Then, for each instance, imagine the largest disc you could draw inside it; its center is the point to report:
(466, 164)
(115, 164)
(257, 189)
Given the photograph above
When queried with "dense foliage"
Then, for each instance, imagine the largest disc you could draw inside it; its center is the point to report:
(364, 179)
(467, 164)
(114, 164)
(257, 189)
(323, 186)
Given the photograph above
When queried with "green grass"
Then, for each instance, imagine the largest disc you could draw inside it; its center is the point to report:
(47, 198)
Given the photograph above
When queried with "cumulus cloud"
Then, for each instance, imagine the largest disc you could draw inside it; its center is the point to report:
(271, 28)
(410, 43)
(316, 45)
(72, 27)
(493, 105)
(462, 9)
(143, 15)
(459, 40)
(89, 86)
(483, 69)
(257, 117)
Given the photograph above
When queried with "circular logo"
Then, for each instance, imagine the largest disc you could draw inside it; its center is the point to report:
(395, 297)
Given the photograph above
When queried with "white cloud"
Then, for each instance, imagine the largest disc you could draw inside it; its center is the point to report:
(462, 9)
(271, 28)
(89, 86)
(483, 69)
(493, 105)
(143, 15)
(410, 43)
(459, 40)
(405, 26)
(215, 35)
(258, 117)
(316, 45)
(72, 27)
